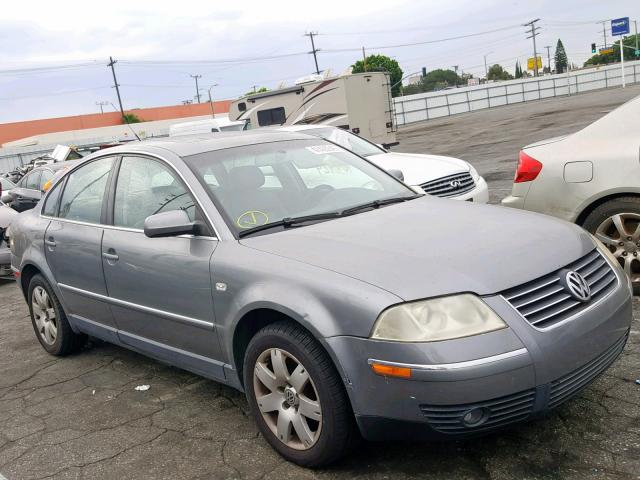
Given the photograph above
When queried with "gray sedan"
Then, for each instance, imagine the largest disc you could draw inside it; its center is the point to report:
(338, 299)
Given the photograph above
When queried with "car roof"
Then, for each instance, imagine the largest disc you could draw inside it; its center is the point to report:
(54, 167)
(186, 145)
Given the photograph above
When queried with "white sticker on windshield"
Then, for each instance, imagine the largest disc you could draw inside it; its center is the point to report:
(324, 149)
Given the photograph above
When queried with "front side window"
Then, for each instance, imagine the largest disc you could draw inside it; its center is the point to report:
(47, 175)
(146, 187)
(84, 191)
(272, 116)
(51, 203)
(6, 183)
(32, 181)
(266, 183)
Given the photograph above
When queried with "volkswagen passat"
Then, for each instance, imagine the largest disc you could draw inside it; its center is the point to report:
(331, 293)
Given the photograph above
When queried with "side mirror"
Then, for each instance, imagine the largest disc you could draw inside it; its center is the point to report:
(397, 173)
(169, 224)
(6, 198)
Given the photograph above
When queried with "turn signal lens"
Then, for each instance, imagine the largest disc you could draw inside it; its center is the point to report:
(528, 168)
(390, 371)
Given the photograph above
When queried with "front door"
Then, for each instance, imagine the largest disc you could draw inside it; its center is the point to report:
(72, 245)
(160, 288)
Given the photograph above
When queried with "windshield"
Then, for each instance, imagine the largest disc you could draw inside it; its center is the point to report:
(6, 183)
(256, 185)
(347, 140)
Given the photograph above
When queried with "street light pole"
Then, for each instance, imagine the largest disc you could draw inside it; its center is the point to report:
(213, 113)
(486, 70)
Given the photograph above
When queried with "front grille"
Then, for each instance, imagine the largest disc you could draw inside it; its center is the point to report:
(450, 185)
(545, 301)
(502, 411)
(570, 385)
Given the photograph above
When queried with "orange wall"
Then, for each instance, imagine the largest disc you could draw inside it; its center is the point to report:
(17, 130)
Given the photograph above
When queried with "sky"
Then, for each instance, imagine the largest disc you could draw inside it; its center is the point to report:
(54, 55)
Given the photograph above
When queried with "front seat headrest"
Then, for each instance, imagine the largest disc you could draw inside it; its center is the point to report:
(248, 177)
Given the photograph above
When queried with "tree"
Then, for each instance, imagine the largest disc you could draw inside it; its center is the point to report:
(629, 53)
(252, 92)
(560, 57)
(377, 63)
(131, 118)
(496, 72)
(518, 70)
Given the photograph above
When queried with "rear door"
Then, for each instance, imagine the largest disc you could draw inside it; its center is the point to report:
(160, 288)
(72, 244)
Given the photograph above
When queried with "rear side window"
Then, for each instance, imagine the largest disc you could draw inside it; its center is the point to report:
(33, 181)
(51, 203)
(272, 116)
(84, 192)
(47, 175)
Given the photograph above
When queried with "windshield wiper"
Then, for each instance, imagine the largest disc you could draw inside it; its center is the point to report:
(377, 204)
(290, 222)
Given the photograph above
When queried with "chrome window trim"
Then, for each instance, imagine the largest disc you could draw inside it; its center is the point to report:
(216, 234)
(141, 308)
(590, 307)
(454, 366)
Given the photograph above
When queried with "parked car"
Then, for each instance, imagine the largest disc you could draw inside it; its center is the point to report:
(211, 125)
(435, 174)
(28, 191)
(6, 216)
(338, 299)
(6, 185)
(592, 178)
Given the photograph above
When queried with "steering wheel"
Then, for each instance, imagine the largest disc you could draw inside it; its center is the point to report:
(318, 193)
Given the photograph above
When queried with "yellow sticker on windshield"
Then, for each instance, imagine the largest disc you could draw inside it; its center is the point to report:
(252, 218)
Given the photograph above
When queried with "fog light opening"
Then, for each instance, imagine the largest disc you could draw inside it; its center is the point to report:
(475, 417)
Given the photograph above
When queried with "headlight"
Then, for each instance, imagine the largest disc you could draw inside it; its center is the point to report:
(437, 319)
(474, 173)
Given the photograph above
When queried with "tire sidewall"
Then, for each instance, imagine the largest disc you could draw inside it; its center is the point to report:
(39, 281)
(259, 344)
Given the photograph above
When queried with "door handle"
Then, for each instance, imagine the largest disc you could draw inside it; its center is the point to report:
(49, 242)
(110, 255)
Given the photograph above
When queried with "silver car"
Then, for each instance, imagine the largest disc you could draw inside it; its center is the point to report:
(592, 178)
(338, 299)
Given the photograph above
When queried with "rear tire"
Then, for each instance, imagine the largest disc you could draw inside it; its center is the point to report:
(317, 406)
(49, 320)
(616, 223)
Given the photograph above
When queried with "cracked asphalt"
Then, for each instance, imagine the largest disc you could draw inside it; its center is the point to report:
(80, 417)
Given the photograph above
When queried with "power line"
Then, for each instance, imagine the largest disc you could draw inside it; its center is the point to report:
(314, 50)
(111, 64)
(55, 94)
(12, 71)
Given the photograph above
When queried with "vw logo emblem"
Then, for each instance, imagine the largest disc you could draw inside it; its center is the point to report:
(454, 183)
(577, 286)
(290, 396)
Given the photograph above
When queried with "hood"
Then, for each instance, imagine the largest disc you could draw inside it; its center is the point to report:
(546, 141)
(418, 169)
(431, 246)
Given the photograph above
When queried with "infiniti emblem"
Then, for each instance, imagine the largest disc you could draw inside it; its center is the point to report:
(454, 183)
(578, 286)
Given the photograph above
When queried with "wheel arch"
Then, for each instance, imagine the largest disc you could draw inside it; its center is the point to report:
(594, 203)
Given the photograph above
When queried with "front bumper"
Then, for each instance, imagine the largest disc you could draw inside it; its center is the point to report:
(480, 194)
(512, 375)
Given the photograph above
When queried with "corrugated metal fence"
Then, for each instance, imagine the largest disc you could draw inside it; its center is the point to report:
(425, 106)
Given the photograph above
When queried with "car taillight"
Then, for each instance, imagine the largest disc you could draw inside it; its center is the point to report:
(528, 168)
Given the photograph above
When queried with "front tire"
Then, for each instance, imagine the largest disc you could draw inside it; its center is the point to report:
(616, 223)
(297, 397)
(49, 320)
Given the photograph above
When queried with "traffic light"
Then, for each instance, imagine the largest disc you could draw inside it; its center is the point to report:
(593, 48)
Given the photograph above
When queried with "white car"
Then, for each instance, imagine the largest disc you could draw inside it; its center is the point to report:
(437, 175)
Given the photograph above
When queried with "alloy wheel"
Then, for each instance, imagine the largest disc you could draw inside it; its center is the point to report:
(44, 315)
(621, 235)
(287, 399)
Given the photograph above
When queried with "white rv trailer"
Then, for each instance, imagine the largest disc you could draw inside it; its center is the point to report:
(210, 125)
(359, 102)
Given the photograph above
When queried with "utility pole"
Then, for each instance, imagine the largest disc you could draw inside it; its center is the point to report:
(364, 59)
(102, 104)
(196, 77)
(533, 33)
(486, 70)
(111, 63)
(635, 22)
(314, 50)
(548, 57)
(604, 31)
